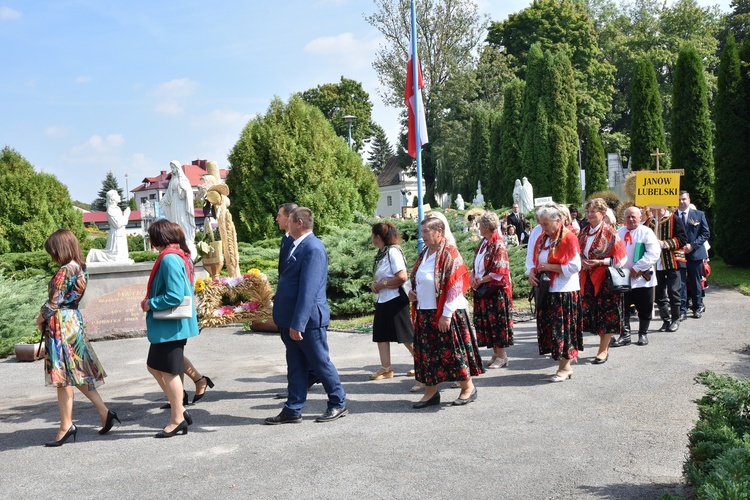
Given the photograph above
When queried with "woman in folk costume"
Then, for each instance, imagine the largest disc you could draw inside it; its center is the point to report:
(601, 247)
(493, 292)
(558, 315)
(445, 347)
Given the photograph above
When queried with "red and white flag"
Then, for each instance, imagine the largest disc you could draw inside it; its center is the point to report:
(409, 99)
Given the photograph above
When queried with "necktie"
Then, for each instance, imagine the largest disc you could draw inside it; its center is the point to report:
(628, 238)
(684, 220)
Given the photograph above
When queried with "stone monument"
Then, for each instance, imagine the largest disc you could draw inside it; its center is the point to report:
(460, 205)
(116, 251)
(177, 204)
(527, 197)
(479, 198)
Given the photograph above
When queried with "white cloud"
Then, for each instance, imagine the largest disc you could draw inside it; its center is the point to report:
(8, 14)
(82, 79)
(169, 108)
(221, 118)
(56, 132)
(177, 88)
(355, 53)
(101, 149)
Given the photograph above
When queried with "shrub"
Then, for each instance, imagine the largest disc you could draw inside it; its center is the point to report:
(19, 308)
(719, 446)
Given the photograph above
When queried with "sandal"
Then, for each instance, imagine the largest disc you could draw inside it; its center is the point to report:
(418, 387)
(383, 372)
(499, 363)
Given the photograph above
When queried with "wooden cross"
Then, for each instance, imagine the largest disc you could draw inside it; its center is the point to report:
(657, 154)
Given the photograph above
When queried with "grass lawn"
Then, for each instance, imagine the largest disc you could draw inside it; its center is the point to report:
(723, 274)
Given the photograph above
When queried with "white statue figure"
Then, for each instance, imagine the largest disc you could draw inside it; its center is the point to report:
(177, 204)
(527, 197)
(116, 250)
(460, 202)
(518, 193)
(479, 198)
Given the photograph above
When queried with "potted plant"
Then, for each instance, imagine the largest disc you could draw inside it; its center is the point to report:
(29, 348)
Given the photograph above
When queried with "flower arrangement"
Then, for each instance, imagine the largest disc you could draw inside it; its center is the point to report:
(233, 300)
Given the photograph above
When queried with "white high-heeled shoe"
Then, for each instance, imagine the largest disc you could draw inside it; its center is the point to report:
(499, 363)
(558, 378)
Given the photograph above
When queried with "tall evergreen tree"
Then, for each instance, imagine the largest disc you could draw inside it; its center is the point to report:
(646, 125)
(509, 155)
(595, 163)
(479, 150)
(380, 149)
(561, 99)
(535, 157)
(732, 151)
(109, 183)
(692, 144)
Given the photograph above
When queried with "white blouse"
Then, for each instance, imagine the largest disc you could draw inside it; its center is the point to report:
(426, 291)
(568, 280)
(388, 267)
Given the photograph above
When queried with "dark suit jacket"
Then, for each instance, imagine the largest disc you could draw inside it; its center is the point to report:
(300, 301)
(697, 233)
(516, 220)
(286, 245)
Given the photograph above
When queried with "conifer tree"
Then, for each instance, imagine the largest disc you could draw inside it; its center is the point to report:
(380, 149)
(509, 145)
(732, 159)
(561, 98)
(535, 157)
(109, 183)
(596, 163)
(479, 150)
(692, 144)
(646, 124)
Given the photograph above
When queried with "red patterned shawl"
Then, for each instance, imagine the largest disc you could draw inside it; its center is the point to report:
(496, 262)
(606, 244)
(451, 275)
(563, 248)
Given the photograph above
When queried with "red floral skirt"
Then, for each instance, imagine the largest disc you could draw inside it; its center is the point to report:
(601, 313)
(442, 357)
(559, 326)
(493, 321)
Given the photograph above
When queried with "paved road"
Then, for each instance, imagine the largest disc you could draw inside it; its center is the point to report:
(614, 431)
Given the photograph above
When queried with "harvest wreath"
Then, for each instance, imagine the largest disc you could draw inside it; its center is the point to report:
(233, 300)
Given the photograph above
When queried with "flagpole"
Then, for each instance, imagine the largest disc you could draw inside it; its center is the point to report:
(418, 142)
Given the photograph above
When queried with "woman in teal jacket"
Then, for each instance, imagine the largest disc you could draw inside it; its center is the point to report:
(169, 283)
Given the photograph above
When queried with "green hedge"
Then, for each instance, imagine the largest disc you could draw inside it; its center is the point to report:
(19, 308)
(718, 465)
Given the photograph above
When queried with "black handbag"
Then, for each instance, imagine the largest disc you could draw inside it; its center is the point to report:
(618, 280)
(402, 295)
(485, 290)
(542, 289)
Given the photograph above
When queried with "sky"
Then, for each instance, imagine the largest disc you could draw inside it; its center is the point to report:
(91, 86)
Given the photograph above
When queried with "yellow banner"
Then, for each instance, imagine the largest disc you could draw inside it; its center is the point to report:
(657, 189)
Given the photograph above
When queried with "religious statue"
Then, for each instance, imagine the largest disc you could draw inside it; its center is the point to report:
(527, 197)
(177, 204)
(116, 251)
(460, 202)
(518, 193)
(479, 198)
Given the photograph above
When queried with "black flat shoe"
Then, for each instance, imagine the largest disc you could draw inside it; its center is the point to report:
(284, 418)
(665, 326)
(209, 384)
(600, 361)
(71, 432)
(434, 400)
(111, 417)
(622, 340)
(472, 397)
(182, 428)
(185, 402)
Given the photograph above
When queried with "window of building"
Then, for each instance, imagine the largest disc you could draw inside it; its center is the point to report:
(152, 196)
(389, 201)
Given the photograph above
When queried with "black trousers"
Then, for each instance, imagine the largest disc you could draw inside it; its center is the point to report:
(643, 300)
(668, 290)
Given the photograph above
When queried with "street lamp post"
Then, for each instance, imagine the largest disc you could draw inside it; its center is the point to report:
(127, 191)
(349, 119)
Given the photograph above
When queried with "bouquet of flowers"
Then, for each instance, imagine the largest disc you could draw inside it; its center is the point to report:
(233, 300)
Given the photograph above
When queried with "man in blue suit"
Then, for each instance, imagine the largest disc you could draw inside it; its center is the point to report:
(698, 232)
(301, 311)
(282, 219)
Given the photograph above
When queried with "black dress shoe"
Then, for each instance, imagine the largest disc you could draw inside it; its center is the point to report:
(284, 418)
(434, 400)
(642, 339)
(72, 431)
(674, 326)
(600, 361)
(182, 428)
(702, 308)
(697, 314)
(332, 414)
(664, 326)
(111, 417)
(461, 402)
(185, 402)
(683, 317)
(622, 340)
